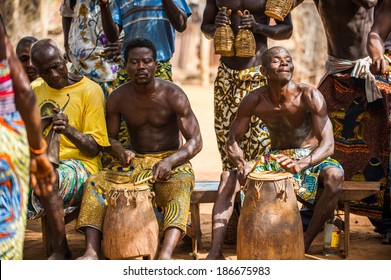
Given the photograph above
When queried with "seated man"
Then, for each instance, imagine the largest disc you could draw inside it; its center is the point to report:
(301, 136)
(75, 106)
(23, 52)
(157, 114)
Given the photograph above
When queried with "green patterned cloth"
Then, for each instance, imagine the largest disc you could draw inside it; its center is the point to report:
(307, 179)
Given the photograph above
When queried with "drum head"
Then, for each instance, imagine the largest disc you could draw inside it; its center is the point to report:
(269, 175)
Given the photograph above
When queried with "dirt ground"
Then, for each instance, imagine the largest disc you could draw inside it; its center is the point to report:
(365, 244)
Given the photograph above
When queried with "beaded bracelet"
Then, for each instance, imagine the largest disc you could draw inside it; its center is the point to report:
(41, 150)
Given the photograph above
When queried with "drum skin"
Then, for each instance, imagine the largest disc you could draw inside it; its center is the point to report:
(130, 228)
(270, 225)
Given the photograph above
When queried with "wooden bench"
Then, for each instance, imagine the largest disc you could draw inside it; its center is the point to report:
(206, 192)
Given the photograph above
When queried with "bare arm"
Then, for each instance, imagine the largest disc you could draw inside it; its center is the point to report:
(282, 30)
(376, 37)
(190, 130)
(238, 128)
(322, 128)
(367, 4)
(84, 142)
(113, 123)
(176, 16)
(211, 14)
(110, 28)
(42, 175)
(66, 25)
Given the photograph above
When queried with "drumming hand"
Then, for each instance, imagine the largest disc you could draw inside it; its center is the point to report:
(243, 172)
(222, 18)
(60, 121)
(286, 163)
(126, 157)
(162, 170)
(42, 175)
(247, 22)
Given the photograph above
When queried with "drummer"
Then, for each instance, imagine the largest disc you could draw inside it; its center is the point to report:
(301, 137)
(157, 114)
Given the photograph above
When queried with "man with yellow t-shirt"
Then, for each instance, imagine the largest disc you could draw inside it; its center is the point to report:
(72, 106)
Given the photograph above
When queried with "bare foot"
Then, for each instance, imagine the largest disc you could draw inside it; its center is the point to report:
(212, 256)
(61, 256)
(89, 257)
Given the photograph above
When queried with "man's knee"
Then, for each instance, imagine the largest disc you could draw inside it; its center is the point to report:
(228, 183)
(333, 180)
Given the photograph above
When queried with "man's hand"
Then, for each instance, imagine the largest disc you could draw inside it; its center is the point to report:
(243, 172)
(286, 163)
(60, 121)
(379, 66)
(222, 18)
(247, 21)
(126, 157)
(42, 175)
(113, 51)
(162, 170)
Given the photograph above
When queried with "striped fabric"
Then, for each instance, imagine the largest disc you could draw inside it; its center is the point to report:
(7, 104)
(147, 19)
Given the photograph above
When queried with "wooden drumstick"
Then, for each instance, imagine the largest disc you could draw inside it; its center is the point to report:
(142, 180)
(260, 160)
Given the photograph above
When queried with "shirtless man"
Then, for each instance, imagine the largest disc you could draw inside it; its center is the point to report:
(356, 102)
(380, 33)
(236, 77)
(156, 113)
(300, 132)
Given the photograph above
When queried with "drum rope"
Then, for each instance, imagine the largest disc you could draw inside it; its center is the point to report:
(281, 189)
(114, 194)
(131, 195)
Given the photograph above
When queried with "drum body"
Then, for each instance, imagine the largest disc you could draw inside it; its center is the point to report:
(130, 228)
(270, 225)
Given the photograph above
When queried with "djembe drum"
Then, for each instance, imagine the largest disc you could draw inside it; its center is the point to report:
(270, 225)
(130, 228)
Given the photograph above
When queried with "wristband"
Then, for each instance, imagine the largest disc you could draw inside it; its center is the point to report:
(41, 150)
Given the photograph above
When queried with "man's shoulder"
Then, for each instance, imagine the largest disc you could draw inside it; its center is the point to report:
(37, 83)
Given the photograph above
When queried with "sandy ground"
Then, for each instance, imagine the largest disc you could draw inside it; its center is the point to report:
(365, 244)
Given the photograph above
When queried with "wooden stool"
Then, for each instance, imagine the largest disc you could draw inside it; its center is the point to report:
(354, 190)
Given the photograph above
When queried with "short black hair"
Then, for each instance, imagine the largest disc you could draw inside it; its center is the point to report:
(40, 47)
(24, 40)
(139, 43)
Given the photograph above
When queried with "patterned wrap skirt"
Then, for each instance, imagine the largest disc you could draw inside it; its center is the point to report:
(362, 137)
(307, 179)
(230, 87)
(14, 185)
(72, 174)
(172, 197)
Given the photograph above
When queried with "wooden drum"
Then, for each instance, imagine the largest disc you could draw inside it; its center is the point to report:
(270, 225)
(130, 228)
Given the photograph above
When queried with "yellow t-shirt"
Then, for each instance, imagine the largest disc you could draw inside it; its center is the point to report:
(85, 112)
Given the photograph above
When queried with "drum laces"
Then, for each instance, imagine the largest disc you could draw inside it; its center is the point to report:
(280, 189)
